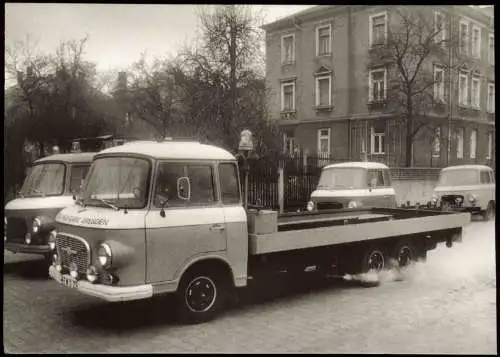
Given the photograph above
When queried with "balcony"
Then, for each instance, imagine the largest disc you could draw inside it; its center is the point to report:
(468, 111)
(288, 115)
(377, 105)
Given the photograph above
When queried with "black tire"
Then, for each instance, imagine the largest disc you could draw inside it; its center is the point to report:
(404, 253)
(489, 213)
(374, 258)
(200, 296)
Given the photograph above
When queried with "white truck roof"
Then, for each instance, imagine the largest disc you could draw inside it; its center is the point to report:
(467, 167)
(361, 164)
(183, 150)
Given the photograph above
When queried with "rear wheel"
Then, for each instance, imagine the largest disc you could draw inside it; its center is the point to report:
(489, 213)
(404, 253)
(374, 260)
(200, 296)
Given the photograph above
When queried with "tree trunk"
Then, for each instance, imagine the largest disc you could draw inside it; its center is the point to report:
(232, 59)
(409, 133)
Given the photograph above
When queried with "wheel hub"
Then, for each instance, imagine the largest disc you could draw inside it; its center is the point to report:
(376, 261)
(200, 294)
(404, 256)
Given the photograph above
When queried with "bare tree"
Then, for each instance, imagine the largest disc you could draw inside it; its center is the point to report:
(414, 40)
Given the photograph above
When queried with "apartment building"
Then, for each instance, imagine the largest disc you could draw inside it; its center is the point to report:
(329, 89)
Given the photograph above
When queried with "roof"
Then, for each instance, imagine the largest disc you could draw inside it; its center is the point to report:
(310, 10)
(361, 164)
(172, 150)
(468, 167)
(73, 157)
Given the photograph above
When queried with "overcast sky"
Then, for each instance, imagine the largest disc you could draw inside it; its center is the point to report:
(118, 33)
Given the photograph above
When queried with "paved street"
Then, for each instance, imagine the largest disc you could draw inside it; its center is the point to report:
(447, 305)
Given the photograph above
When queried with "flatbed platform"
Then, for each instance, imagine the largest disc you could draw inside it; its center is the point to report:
(300, 231)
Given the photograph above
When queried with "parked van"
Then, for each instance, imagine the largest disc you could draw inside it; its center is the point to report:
(353, 185)
(50, 185)
(468, 188)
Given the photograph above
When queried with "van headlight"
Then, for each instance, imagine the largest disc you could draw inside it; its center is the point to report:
(472, 199)
(310, 206)
(35, 226)
(352, 204)
(52, 239)
(104, 255)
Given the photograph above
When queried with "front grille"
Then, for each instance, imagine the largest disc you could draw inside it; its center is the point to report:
(16, 229)
(451, 200)
(329, 205)
(73, 250)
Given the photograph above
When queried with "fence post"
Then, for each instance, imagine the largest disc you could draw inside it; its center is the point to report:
(281, 189)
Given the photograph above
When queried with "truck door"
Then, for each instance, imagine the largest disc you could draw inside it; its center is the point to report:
(178, 229)
(382, 194)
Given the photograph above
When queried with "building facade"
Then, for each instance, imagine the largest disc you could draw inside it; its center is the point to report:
(329, 91)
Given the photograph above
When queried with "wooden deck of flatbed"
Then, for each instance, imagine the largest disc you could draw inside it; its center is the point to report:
(309, 230)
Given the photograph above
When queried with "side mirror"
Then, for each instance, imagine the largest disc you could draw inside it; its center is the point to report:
(183, 188)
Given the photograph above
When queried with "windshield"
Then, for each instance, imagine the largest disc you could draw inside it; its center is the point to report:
(458, 177)
(44, 180)
(343, 177)
(120, 182)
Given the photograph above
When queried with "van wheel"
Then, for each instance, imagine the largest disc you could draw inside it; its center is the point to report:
(199, 296)
(489, 213)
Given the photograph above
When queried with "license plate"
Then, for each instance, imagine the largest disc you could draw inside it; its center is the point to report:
(69, 282)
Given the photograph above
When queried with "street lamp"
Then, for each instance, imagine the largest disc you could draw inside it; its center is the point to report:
(245, 148)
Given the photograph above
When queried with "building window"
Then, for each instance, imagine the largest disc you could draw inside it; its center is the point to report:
(377, 85)
(324, 91)
(439, 27)
(323, 40)
(462, 89)
(490, 146)
(377, 141)
(491, 48)
(289, 143)
(476, 41)
(476, 92)
(378, 29)
(491, 98)
(288, 48)
(438, 84)
(324, 142)
(473, 138)
(288, 96)
(460, 143)
(464, 36)
(436, 145)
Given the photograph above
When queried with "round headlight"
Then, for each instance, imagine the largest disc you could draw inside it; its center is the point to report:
(104, 255)
(73, 270)
(52, 239)
(352, 204)
(92, 274)
(472, 198)
(37, 223)
(27, 238)
(310, 206)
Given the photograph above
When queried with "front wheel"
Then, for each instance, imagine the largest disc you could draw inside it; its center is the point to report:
(199, 296)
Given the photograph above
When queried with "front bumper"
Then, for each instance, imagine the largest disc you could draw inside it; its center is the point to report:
(105, 292)
(26, 248)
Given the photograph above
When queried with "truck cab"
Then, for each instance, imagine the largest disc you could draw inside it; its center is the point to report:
(149, 216)
(49, 186)
(353, 185)
(468, 188)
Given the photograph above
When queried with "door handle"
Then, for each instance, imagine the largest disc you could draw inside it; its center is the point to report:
(217, 227)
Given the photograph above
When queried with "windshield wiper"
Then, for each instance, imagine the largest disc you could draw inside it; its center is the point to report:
(107, 203)
(35, 190)
(81, 202)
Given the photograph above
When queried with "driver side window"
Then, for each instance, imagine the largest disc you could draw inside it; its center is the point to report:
(376, 178)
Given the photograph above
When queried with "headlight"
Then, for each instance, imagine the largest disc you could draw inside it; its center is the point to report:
(37, 223)
(310, 206)
(27, 238)
(472, 198)
(352, 204)
(52, 239)
(92, 274)
(104, 255)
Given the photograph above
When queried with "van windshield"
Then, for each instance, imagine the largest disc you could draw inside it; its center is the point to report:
(120, 182)
(44, 180)
(458, 177)
(343, 178)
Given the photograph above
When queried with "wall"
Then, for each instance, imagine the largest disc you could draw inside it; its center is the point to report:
(414, 190)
